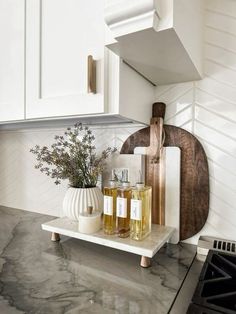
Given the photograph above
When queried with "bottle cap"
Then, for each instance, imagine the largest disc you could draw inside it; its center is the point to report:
(113, 183)
(140, 185)
(126, 184)
(125, 175)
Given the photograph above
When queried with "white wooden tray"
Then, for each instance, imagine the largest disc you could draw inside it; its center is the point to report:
(147, 248)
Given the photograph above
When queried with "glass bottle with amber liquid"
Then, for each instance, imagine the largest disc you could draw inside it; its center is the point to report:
(109, 208)
(140, 212)
(123, 210)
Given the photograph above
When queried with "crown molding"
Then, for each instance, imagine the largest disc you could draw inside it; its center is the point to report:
(128, 16)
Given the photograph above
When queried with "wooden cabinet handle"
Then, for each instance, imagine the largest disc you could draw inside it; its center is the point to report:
(91, 75)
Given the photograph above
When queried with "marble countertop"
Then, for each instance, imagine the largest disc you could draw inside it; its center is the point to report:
(73, 276)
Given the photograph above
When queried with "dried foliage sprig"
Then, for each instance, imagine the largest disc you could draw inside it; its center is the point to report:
(73, 157)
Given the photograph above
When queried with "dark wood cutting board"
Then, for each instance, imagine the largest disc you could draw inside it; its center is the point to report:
(194, 198)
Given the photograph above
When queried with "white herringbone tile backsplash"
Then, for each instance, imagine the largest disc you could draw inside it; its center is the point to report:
(206, 108)
(22, 186)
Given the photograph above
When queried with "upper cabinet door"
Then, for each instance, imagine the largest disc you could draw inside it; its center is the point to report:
(12, 33)
(60, 34)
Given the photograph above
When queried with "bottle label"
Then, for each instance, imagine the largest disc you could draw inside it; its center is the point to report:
(108, 205)
(136, 210)
(121, 207)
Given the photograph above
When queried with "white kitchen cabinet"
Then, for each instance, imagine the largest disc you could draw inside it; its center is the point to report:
(60, 36)
(47, 80)
(12, 33)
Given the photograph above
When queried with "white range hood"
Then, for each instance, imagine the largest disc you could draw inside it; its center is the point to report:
(161, 39)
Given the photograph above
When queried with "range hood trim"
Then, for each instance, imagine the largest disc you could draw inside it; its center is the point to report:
(138, 38)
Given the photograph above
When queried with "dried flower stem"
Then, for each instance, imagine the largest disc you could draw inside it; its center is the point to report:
(73, 157)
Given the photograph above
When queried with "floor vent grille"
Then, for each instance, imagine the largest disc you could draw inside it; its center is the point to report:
(210, 243)
(224, 246)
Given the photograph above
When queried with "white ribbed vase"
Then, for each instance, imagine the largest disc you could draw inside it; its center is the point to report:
(77, 200)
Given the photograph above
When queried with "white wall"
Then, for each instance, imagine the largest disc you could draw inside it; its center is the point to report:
(207, 108)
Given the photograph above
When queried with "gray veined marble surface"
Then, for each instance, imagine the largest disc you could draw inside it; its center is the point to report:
(39, 276)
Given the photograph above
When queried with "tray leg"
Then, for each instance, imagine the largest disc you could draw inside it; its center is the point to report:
(145, 262)
(55, 237)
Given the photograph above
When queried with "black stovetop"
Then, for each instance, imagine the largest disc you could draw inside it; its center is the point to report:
(216, 289)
